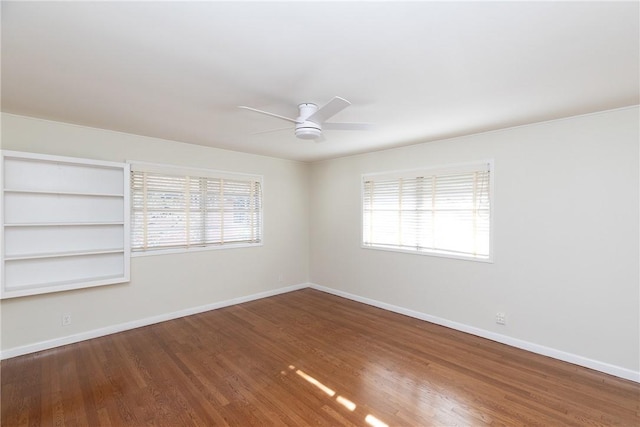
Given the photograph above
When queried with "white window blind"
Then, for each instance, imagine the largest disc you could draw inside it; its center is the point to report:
(182, 211)
(440, 211)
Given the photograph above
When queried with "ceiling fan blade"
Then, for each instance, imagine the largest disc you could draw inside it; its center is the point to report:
(348, 126)
(268, 114)
(289, 128)
(328, 110)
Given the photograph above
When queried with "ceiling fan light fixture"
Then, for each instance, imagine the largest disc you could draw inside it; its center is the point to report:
(304, 132)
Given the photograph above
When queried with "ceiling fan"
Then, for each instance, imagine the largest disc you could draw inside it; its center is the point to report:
(312, 120)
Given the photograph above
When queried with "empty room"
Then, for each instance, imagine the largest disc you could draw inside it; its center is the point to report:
(320, 213)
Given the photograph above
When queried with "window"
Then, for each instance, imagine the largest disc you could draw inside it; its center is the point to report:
(173, 208)
(445, 211)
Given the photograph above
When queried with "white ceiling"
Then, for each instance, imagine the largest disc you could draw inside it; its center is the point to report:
(420, 71)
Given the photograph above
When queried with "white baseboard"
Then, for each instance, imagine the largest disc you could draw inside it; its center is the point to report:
(504, 339)
(95, 333)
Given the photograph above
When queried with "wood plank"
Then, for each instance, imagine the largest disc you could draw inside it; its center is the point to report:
(305, 358)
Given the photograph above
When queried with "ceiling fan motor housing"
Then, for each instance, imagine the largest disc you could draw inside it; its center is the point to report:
(306, 129)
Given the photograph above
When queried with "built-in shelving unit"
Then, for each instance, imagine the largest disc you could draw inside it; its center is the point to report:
(65, 223)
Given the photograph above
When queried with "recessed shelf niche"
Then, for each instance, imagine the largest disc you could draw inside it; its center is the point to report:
(65, 223)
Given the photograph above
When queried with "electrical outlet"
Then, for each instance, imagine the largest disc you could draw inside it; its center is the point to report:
(66, 319)
(280, 278)
(501, 318)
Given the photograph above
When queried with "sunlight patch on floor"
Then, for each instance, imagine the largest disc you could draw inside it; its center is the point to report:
(373, 421)
(348, 404)
(316, 383)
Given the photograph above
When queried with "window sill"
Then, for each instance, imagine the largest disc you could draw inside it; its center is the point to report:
(193, 249)
(488, 260)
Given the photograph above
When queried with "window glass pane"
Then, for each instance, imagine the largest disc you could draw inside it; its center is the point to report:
(432, 212)
(191, 211)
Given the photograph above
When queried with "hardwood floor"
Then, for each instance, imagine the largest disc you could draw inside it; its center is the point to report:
(305, 358)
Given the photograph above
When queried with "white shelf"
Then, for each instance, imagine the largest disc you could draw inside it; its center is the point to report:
(67, 285)
(39, 207)
(27, 272)
(65, 223)
(61, 254)
(68, 282)
(62, 193)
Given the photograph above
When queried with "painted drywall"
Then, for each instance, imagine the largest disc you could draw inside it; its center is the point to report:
(164, 283)
(566, 237)
(566, 267)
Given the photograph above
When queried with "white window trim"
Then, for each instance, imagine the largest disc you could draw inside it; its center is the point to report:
(227, 246)
(201, 172)
(449, 168)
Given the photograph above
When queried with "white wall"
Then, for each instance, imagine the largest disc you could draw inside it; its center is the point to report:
(164, 283)
(566, 237)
